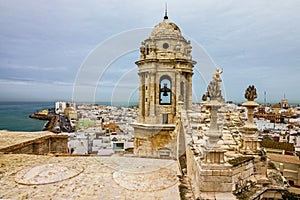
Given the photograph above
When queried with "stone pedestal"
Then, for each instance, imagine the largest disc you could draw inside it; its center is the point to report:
(210, 179)
(214, 156)
(250, 143)
(216, 181)
(213, 133)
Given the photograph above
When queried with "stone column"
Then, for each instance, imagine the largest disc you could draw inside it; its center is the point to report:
(250, 143)
(141, 98)
(152, 96)
(214, 153)
(213, 133)
(147, 95)
(178, 81)
(189, 91)
(214, 158)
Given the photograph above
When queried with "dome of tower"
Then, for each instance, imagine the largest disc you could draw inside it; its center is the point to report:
(166, 42)
(166, 29)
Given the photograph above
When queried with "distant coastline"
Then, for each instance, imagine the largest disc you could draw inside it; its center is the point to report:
(14, 115)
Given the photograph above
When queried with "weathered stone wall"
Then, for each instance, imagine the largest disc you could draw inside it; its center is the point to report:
(206, 178)
(193, 172)
(216, 180)
(59, 145)
(243, 174)
(155, 142)
(28, 149)
(43, 145)
(260, 166)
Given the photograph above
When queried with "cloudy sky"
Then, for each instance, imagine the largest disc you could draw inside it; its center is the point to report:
(45, 46)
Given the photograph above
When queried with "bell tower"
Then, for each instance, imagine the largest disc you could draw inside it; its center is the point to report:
(165, 79)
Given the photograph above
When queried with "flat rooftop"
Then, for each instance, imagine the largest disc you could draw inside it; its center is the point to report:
(284, 158)
(11, 138)
(66, 177)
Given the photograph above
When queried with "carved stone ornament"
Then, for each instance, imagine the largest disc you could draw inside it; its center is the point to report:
(250, 93)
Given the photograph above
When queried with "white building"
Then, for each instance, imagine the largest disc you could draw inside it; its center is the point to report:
(60, 107)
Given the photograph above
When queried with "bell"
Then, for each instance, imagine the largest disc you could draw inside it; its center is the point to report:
(165, 89)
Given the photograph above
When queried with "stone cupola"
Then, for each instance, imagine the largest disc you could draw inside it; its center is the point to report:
(166, 42)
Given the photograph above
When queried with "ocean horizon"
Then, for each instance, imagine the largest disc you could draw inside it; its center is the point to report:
(14, 116)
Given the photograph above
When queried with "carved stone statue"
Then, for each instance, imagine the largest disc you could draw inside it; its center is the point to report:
(142, 50)
(215, 103)
(250, 93)
(214, 87)
(217, 76)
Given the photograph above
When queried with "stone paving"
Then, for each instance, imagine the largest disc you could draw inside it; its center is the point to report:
(45, 174)
(50, 177)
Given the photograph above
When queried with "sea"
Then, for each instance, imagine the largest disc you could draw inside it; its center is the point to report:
(14, 116)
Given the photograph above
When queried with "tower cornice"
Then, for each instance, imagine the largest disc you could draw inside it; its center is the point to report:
(140, 62)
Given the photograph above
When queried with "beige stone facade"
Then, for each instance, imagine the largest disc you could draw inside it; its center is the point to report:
(165, 74)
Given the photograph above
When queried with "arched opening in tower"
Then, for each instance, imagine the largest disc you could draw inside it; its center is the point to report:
(165, 93)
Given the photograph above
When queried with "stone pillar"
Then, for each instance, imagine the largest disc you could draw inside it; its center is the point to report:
(213, 133)
(141, 98)
(147, 96)
(178, 80)
(214, 153)
(250, 143)
(152, 97)
(189, 91)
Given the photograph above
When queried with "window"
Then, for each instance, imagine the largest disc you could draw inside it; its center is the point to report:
(164, 118)
(118, 146)
(165, 45)
(165, 93)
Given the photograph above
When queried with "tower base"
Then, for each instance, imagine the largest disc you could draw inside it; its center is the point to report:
(155, 140)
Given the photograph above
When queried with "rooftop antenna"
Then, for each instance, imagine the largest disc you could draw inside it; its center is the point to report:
(265, 97)
(283, 95)
(166, 12)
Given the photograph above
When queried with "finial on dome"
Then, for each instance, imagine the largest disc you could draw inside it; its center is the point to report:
(166, 12)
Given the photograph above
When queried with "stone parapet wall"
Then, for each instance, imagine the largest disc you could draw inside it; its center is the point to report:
(42, 145)
(206, 178)
(193, 172)
(243, 175)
